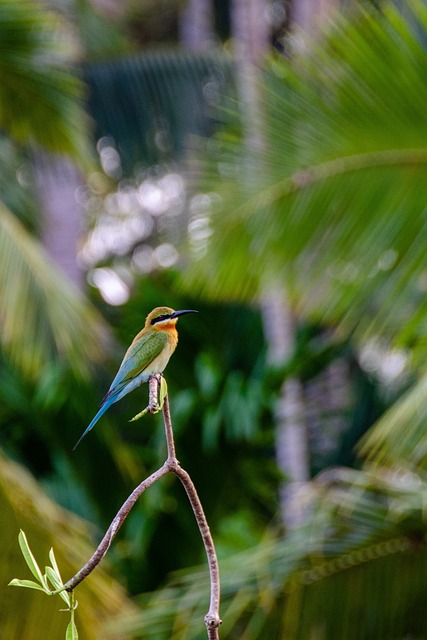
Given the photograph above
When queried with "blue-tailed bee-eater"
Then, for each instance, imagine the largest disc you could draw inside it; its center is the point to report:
(148, 354)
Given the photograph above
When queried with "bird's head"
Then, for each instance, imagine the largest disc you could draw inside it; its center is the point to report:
(165, 317)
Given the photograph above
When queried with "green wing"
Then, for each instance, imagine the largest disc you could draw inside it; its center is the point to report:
(137, 358)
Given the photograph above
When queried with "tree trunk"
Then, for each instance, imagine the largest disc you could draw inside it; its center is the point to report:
(196, 25)
(309, 15)
(251, 36)
(57, 182)
(292, 453)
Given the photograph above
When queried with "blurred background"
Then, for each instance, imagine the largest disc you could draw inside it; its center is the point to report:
(264, 162)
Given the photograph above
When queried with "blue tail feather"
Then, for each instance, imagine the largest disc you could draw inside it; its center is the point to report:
(114, 394)
(100, 413)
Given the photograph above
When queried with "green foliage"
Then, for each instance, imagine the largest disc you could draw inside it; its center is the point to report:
(45, 322)
(399, 437)
(26, 613)
(40, 98)
(100, 32)
(209, 377)
(333, 209)
(17, 184)
(170, 97)
(50, 337)
(335, 213)
(334, 575)
(51, 575)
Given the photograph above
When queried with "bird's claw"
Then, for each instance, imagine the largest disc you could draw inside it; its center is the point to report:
(156, 399)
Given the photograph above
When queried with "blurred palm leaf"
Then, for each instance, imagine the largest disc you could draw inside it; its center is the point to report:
(399, 438)
(16, 184)
(101, 32)
(360, 532)
(169, 96)
(46, 327)
(24, 505)
(333, 207)
(44, 321)
(335, 210)
(40, 97)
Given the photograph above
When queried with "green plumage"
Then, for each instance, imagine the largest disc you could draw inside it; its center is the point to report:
(148, 354)
(142, 352)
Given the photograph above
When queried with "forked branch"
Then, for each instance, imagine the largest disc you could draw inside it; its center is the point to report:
(171, 465)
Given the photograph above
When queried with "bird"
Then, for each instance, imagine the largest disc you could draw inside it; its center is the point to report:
(147, 355)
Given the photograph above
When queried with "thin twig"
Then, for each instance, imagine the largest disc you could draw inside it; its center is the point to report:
(171, 465)
(170, 443)
(114, 527)
(212, 619)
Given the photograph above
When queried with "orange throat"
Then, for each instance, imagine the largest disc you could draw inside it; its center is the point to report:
(168, 326)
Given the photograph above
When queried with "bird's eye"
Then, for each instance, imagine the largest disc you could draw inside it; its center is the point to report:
(163, 316)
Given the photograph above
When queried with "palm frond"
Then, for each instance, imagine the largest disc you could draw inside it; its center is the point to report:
(361, 528)
(399, 438)
(170, 96)
(40, 97)
(32, 615)
(333, 207)
(43, 320)
(18, 195)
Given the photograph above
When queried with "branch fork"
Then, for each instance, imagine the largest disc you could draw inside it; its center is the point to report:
(157, 392)
(158, 401)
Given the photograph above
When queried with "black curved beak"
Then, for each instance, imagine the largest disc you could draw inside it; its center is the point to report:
(176, 314)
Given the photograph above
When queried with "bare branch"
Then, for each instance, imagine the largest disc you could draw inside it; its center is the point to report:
(170, 443)
(114, 527)
(171, 465)
(153, 393)
(212, 619)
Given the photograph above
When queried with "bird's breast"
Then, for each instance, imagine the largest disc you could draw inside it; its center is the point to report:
(159, 363)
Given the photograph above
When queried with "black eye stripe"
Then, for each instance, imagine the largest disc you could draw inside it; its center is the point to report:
(164, 316)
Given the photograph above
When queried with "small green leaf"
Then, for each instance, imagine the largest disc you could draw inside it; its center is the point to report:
(54, 563)
(163, 391)
(29, 558)
(54, 578)
(66, 598)
(71, 633)
(57, 583)
(139, 415)
(45, 583)
(30, 584)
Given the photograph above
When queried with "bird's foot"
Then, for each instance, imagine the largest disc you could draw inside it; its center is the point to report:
(157, 393)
